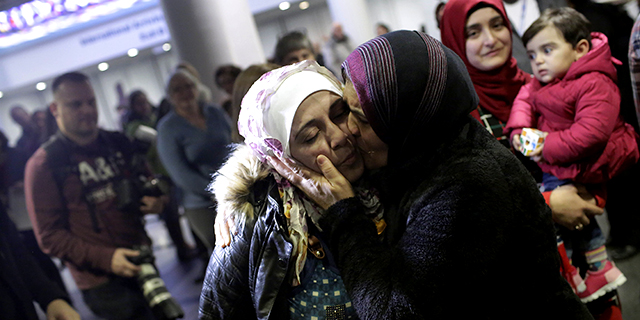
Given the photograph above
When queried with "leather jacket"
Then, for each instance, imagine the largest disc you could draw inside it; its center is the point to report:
(248, 279)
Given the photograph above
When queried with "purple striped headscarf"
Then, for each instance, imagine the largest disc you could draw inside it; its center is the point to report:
(411, 89)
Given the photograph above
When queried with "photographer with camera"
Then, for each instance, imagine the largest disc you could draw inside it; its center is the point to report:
(86, 198)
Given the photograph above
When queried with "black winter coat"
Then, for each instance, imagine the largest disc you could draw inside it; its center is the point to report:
(247, 280)
(469, 236)
(22, 281)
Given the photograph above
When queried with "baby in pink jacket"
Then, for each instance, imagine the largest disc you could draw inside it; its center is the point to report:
(575, 101)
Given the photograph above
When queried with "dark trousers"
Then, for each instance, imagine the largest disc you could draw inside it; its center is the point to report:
(201, 221)
(622, 195)
(171, 217)
(118, 299)
(44, 261)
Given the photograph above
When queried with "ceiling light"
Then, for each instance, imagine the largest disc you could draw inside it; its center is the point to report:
(284, 5)
(132, 52)
(103, 66)
(41, 86)
(304, 5)
(166, 47)
(1, 94)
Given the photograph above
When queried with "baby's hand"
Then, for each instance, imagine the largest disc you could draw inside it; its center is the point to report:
(536, 155)
(515, 141)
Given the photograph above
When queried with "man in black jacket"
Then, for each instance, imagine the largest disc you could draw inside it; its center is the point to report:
(22, 281)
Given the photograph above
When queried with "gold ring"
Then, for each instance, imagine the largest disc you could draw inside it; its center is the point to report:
(579, 227)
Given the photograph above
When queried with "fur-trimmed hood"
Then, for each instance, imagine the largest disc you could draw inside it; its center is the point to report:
(232, 185)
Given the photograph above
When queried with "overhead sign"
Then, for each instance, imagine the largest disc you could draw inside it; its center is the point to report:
(78, 50)
(37, 19)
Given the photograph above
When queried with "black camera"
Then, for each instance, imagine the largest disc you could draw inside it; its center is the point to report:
(163, 305)
(129, 192)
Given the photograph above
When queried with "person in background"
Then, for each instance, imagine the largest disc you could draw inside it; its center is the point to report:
(480, 33)
(46, 124)
(122, 108)
(633, 55)
(193, 141)
(293, 47)
(575, 103)
(164, 108)
(39, 118)
(627, 242)
(4, 155)
(16, 209)
(224, 77)
(29, 141)
(439, 12)
(204, 93)
(336, 49)
(382, 28)
(15, 203)
(17, 156)
(614, 22)
(22, 282)
(80, 192)
(141, 113)
(140, 126)
(26, 145)
(51, 125)
(611, 19)
(242, 84)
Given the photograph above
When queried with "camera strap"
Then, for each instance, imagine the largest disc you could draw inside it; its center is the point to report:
(59, 151)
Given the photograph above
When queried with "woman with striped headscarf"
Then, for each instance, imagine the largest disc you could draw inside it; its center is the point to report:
(468, 235)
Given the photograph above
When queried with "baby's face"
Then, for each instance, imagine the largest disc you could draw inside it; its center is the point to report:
(550, 54)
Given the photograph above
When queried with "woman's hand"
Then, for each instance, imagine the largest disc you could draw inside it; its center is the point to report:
(570, 209)
(153, 204)
(325, 189)
(223, 227)
(60, 310)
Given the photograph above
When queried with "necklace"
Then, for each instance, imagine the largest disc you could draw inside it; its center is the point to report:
(316, 249)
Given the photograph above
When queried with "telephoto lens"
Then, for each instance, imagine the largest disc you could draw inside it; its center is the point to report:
(163, 305)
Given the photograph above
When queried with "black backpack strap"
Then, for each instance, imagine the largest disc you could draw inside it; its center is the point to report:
(118, 142)
(59, 149)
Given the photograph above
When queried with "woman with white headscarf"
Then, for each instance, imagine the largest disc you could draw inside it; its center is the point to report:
(278, 265)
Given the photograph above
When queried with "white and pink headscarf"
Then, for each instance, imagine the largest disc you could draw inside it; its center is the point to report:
(268, 108)
(265, 121)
